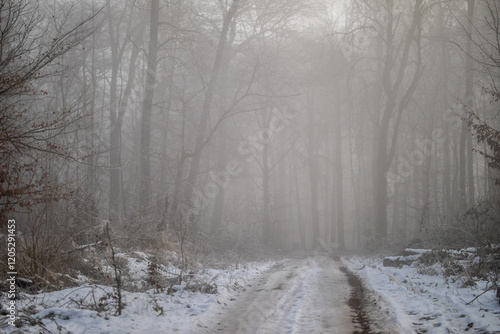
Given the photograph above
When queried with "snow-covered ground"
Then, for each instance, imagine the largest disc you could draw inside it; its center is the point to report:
(306, 295)
(297, 295)
(422, 300)
(90, 308)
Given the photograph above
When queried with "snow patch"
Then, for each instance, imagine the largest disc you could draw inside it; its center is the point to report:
(424, 303)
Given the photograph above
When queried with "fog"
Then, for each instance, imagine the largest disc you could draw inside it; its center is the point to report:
(289, 124)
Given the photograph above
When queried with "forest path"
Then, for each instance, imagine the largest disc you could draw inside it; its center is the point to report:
(296, 296)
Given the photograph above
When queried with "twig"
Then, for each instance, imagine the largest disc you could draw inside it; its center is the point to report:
(117, 274)
(80, 248)
(489, 289)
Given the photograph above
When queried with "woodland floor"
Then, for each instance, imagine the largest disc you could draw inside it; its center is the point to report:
(301, 294)
(316, 294)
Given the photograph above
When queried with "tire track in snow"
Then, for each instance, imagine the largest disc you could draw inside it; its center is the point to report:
(297, 296)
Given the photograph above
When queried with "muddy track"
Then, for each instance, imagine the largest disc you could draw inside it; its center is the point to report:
(357, 303)
(370, 312)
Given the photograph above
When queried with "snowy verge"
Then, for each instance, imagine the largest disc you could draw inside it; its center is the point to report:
(90, 308)
(422, 300)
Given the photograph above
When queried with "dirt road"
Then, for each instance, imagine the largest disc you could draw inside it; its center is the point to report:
(308, 295)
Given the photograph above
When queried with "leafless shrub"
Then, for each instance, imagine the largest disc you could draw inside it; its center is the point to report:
(83, 220)
(466, 266)
(118, 275)
(43, 251)
(475, 227)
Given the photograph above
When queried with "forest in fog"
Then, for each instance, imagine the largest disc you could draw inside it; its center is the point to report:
(239, 123)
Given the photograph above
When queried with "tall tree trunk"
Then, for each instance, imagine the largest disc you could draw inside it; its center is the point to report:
(90, 185)
(298, 204)
(115, 164)
(281, 230)
(328, 202)
(222, 156)
(115, 167)
(466, 177)
(469, 97)
(446, 199)
(267, 230)
(462, 165)
(339, 179)
(313, 170)
(114, 139)
(380, 198)
(356, 186)
(396, 221)
(145, 158)
(221, 180)
(426, 166)
(447, 175)
(396, 101)
(201, 139)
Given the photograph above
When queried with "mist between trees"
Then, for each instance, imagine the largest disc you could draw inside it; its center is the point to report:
(284, 123)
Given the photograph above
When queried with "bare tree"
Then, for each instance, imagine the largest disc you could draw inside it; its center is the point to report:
(395, 58)
(30, 44)
(483, 49)
(118, 101)
(149, 90)
(201, 138)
